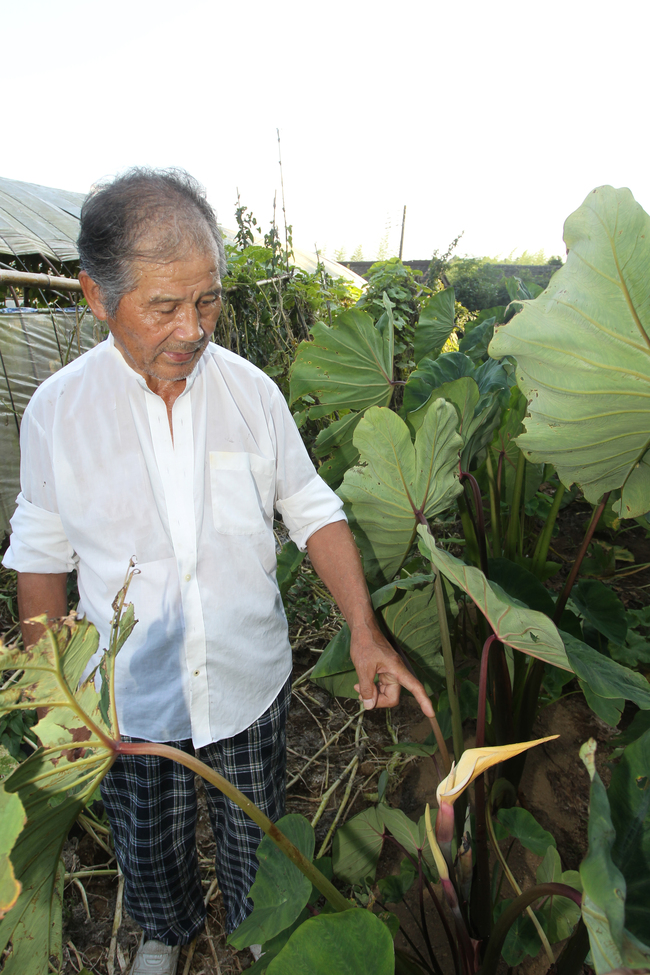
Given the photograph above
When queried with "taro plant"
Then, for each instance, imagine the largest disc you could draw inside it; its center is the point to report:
(560, 401)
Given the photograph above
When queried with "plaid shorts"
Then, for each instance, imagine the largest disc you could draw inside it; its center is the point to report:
(151, 805)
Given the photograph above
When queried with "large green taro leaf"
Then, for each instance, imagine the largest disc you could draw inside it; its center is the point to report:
(505, 439)
(347, 366)
(583, 354)
(336, 439)
(605, 677)
(478, 416)
(515, 625)
(349, 943)
(357, 846)
(432, 374)
(399, 481)
(435, 323)
(561, 914)
(412, 836)
(604, 904)
(281, 890)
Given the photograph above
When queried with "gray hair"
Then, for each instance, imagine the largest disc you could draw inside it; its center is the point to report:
(149, 215)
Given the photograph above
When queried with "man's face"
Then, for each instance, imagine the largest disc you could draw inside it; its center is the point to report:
(163, 326)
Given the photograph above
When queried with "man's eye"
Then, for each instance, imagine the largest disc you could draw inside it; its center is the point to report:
(167, 311)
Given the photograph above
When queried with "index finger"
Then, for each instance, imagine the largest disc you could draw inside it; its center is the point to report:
(412, 684)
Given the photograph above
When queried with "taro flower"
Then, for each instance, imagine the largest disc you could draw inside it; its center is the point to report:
(473, 763)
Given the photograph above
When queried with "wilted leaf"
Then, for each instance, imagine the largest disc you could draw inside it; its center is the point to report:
(55, 782)
(13, 818)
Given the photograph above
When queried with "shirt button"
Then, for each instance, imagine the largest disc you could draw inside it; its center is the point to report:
(188, 577)
(196, 673)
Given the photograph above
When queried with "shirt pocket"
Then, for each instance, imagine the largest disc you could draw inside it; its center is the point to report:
(242, 492)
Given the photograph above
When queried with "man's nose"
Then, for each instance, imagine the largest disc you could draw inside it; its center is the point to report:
(188, 324)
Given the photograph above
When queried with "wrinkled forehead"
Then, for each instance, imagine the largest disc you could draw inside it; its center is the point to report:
(191, 274)
(176, 237)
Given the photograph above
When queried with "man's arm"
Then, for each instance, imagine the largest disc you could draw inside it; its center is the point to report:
(40, 594)
(336, 559)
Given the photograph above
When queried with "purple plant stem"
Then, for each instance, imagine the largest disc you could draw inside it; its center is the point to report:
(568, 585)
(482, 898)
(434, 898)
(509, 916)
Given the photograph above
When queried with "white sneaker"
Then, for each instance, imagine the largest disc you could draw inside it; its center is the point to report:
(155, 958)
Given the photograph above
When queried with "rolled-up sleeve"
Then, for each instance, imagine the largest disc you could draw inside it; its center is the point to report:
(38, 541)
(312, 508)
(304, 500)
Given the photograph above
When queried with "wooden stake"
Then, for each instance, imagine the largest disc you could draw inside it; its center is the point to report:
(401, 240)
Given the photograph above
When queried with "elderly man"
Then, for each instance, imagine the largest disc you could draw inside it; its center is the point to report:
(160, 444)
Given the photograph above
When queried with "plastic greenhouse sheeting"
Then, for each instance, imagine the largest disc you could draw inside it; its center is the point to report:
(44, 220)
(39, 220)
(33, 345)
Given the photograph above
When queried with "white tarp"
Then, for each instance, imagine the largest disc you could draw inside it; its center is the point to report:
(39, 220)
(33, 345)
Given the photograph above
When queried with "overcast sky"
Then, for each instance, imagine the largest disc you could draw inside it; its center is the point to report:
(495, 119)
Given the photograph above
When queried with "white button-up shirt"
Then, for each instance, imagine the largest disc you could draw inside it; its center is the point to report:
(102, 481)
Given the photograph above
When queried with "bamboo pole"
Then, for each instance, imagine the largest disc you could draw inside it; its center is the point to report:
(27, 279)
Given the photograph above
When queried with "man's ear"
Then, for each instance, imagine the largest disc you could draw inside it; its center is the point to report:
(93, 296)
